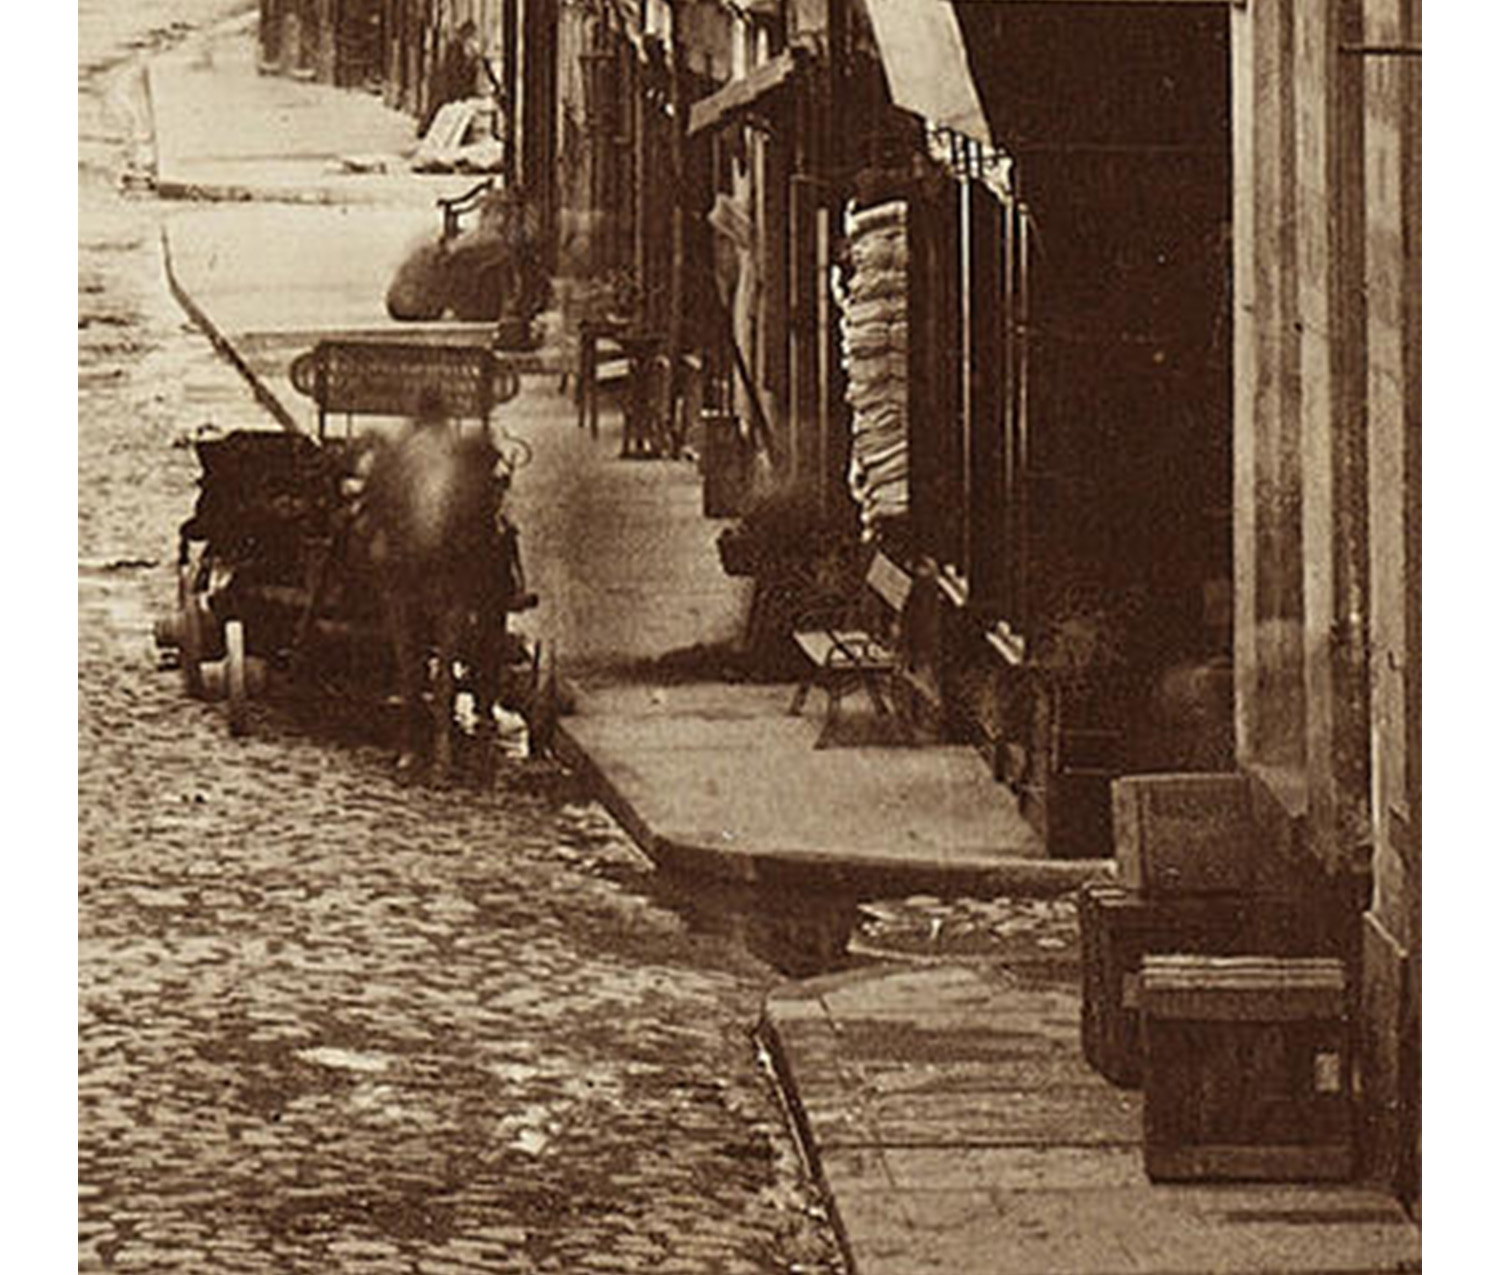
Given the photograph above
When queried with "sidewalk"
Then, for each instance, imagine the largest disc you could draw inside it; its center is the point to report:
(276, 243)
(225, 132)
(956, 1128)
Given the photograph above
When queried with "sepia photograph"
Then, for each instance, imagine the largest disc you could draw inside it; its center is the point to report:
(728, 636)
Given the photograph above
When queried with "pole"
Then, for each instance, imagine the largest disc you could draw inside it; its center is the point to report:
(678, 290)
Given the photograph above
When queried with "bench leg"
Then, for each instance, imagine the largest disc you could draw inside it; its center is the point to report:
(799, 698)
(831, 717)
(892, 711)
(581, 383)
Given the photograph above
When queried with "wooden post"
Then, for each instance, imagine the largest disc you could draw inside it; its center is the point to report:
(639, 195)
(679, 186)
(510, 45)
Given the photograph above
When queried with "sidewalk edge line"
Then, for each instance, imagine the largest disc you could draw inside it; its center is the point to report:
(222, 343)
(769, 1039)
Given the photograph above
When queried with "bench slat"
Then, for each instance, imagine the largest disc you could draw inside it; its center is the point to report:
(833, 649)
(889, 583)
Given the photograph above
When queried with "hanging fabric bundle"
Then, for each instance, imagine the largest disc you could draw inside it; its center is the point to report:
(873, 331)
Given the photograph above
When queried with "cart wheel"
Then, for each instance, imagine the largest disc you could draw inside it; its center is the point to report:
(236, 688)
(190, 635)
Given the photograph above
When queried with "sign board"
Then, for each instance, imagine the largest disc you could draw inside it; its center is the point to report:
(389, 378)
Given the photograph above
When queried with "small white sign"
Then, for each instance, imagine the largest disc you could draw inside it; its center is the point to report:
(1327, 1073)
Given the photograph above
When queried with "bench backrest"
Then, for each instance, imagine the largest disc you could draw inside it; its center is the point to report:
(395, 378)
(888, 582)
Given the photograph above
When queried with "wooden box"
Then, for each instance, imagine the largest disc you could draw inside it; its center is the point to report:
(1247, 1068)
(1117, 928)
(1183, 834)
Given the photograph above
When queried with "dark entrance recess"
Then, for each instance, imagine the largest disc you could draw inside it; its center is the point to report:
(1099, 412)
(537, 93)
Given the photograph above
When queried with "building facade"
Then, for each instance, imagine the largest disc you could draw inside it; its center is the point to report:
(1328, 679)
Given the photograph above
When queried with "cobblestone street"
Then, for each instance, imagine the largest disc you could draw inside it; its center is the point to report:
(328, 1023)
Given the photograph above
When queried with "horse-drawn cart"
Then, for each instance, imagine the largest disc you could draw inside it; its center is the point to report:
(285, 567)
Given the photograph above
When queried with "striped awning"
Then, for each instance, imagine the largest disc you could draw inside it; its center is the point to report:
(926, 67)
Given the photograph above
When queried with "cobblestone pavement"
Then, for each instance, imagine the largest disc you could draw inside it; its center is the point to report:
(921, 928)
(331, 1024)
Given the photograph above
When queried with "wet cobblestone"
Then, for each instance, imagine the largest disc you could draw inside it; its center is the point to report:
(1015, 931)
(327, 1023)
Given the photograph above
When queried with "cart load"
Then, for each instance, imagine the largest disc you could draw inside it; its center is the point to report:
(286, 564)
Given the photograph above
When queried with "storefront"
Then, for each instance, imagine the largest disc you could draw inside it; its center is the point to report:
(1064, 179)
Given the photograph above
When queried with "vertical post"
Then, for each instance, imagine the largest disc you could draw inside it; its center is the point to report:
(639, 196)
(803, 370)
(1022, 459)
(1329, 158)
(836, 139)
(965, 456)
(510, 22)
(1269, 692)
(1009, 484)
(833, 458)
(987, 379)
(1391, 997)
(679, 184)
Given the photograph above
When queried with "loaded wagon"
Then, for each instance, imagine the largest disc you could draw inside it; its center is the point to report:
(275, 579)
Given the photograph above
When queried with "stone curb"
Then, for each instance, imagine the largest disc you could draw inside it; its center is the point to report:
(221, 342)
(232, 193)
(769, 1039)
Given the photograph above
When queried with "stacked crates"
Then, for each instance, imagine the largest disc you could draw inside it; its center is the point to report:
(1220, 1001)
(1118, 928)
(1182, 845)
(1247, 1068)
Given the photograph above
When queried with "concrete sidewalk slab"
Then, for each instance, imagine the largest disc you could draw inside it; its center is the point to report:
(618, 550)
(270, 267)
(956, 1128)
(226, 132)
(678, 758)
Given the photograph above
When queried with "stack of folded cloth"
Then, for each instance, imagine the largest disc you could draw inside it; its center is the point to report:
(874, 340)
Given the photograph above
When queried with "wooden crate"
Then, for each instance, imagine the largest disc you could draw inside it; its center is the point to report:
(1247, 1068)
(1117, 928)
(1183, 834)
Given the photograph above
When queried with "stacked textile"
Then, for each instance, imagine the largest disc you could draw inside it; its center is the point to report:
(872, 302)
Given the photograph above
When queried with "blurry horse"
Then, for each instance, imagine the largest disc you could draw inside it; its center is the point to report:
(445, 566)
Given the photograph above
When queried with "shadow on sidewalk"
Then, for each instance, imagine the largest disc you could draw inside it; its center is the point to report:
(797, 932)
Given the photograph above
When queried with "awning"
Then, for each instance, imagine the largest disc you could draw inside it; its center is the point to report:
(743, 93)
(926, 68)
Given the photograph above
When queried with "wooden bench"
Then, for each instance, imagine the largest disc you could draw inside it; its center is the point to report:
(859, 649)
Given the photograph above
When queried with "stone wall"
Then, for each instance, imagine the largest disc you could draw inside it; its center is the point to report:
(1327, 482)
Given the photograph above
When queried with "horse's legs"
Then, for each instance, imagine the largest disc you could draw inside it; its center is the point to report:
(448, 623)
(488, 658)
(408, 661)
